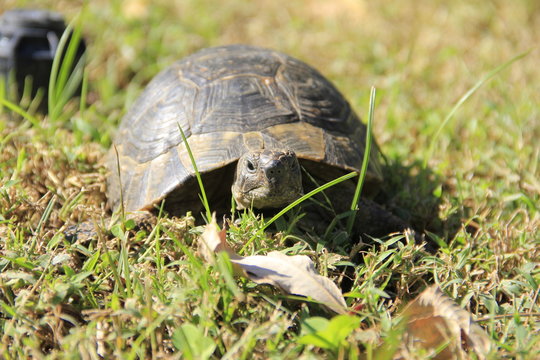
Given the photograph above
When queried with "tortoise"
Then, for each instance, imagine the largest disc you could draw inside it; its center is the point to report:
(254, 119)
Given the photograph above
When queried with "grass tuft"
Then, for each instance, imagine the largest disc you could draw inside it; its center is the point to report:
(65, 76)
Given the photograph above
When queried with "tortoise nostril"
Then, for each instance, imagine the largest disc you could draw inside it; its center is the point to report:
(274, 169)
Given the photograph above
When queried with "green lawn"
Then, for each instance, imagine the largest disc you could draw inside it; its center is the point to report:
(467, 174)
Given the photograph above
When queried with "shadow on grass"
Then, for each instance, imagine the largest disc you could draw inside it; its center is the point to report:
(411, 193)
(414, 193)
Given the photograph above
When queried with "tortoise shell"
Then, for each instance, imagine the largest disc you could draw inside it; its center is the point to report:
(229, 100)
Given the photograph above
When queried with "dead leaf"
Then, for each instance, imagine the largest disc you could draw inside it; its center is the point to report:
(434, 322)
(293, 274)
(214, 240)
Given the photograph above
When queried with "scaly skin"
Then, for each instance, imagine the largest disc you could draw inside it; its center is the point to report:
(267, 179)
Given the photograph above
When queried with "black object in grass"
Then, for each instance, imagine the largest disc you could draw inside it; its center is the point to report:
(29, 40)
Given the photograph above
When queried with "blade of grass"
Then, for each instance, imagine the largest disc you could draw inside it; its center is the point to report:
(125, 266)
(56, 66)
(74, 37)
(3, 82)
(26, 96)
(36, 100)
(157, 246)
(296, 202)
(18, 110)
(122, 209)
(112, 264)
(70, 87)
(69, 205)
(44, 218)
(197, 174)
(84, 92)
(464, 98)
(365, 163)
(65, 78)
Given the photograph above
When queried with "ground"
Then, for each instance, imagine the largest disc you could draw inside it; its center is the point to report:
(468, 174)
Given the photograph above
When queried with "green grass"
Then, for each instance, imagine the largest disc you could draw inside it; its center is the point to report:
(471, 182)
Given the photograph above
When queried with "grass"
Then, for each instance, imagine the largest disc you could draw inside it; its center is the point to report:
(365, 162)
(144, 292)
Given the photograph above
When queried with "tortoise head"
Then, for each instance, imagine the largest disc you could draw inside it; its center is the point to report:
(267, 179)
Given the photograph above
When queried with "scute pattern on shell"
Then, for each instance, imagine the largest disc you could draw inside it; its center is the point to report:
(228, 100)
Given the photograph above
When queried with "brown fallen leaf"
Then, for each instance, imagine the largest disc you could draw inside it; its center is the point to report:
(213, 240)
(293, 274)
(434, 322)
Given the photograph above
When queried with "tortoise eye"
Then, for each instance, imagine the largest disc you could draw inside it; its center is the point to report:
(250, 166)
